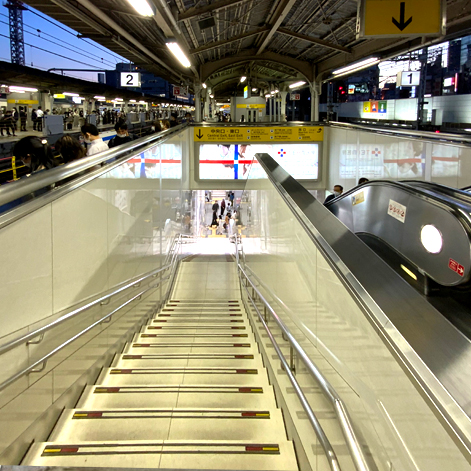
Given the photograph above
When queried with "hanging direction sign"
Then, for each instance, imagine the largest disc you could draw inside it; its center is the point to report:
(259, 134)
(390, 18)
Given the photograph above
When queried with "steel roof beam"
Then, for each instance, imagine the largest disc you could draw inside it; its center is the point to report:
(223, 42)
(282, 9)
(195, 12)
(312, 40)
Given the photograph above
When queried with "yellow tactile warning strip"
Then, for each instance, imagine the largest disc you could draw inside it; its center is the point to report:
(179, 345)
(188, 356)
(160, 448)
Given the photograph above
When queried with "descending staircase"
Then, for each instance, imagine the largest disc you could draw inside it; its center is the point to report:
(189, 392)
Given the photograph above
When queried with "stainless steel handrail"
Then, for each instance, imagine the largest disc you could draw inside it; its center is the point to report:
(45, 358)
(358, 457)
(426, 135)
(16, 190)
(25, 338)
(322, 437)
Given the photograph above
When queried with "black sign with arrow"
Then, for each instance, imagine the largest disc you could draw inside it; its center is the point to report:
(402, 24)
(199, 135)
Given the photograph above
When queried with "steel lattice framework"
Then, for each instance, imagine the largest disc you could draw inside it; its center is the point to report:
(17, 44)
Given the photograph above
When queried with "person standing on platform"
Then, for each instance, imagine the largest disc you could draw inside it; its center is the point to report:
(23, 118)
(34, 118)
(231, 197)
(7, 123)
(40, 116)
(122, 135)
(15, 116)
(173, 120)
(92, 137)
(223, 207)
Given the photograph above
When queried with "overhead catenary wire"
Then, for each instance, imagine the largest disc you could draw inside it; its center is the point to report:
(40, 32)
(54, 53)
(120, 59)
(61, 45)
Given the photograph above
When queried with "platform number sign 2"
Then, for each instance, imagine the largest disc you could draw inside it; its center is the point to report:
(130, 79)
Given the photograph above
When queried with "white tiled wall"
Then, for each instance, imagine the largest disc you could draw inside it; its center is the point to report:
(400, 429)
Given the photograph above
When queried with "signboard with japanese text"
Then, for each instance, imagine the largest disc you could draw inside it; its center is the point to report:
(258, 134)
(180, 91)
(295, 96)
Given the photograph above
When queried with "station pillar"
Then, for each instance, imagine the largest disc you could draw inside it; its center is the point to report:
(315, 88)
(283, 106)
(206, 106)
(198, 89)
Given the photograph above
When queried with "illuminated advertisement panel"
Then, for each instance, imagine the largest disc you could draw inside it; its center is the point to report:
(235, 161)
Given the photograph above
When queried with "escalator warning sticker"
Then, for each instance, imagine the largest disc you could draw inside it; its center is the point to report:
(397, 210)
(456, 267)
(358, 198)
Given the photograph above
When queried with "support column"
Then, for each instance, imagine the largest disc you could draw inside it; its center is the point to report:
(271, 107)
(283, 106)
(233, 109)
(315, 88)
(198, 88)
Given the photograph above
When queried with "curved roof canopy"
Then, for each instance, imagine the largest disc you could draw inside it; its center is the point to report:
(270, 41)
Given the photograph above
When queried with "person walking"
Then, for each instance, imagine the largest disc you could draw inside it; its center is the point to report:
(223, 206)
(34, 118)
(15, 117)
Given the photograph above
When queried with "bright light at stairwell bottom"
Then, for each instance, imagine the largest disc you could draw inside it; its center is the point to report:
(142, 7)
(178, 53)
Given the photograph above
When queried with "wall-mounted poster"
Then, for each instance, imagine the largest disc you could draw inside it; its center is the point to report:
(235, 161)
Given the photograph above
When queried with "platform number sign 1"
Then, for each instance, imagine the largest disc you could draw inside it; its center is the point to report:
(130, 79)
(408, 78)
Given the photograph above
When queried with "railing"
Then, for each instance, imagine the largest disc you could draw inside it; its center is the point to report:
(425, 135)
(35, 182)
(172, 258)
(353, 443)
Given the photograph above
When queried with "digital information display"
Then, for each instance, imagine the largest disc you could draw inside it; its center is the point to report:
(235, 161)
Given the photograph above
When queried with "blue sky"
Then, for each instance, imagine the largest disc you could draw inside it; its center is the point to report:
(75, 50)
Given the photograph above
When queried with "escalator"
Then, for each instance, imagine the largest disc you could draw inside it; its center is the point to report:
(189, 392)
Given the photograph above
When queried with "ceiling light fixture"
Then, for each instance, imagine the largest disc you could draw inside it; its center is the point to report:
(243, 79)
(99, 98)
(297, 84)
(14, 88)
(70, 94)
(357, 66)
(142, 7)
(118, 99)
(254, 89)
(132, 101)
(204, 85)
(179, 54)
(211, 96)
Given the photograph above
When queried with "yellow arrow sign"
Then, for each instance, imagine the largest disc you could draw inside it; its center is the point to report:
(401, 17)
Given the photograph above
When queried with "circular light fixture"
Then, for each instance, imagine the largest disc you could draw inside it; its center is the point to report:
(431, 239)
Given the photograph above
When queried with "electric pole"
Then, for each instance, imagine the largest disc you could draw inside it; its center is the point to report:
(17, 43)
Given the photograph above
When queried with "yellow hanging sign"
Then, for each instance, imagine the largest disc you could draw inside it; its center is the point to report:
(259, 134)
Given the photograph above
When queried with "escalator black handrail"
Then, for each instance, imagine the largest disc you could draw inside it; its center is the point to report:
(15, 190)
(450, 206)
(457, 193)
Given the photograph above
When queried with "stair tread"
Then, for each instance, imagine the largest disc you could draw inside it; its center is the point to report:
(235, 455)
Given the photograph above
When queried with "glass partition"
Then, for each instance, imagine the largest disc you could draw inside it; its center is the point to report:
(399, 429)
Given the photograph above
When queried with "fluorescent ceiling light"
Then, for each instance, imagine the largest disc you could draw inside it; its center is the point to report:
(118, 99)
(243, 79)
(211, 96)
(297, 84)
(132, 101)
(100, 98)
(204, 85)
(179, 54)
(267, 95)
(14, 88)
(143, 7)
(277, 91)
(254, 89)
(142, 101)
(70, 94)
(357, 66)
